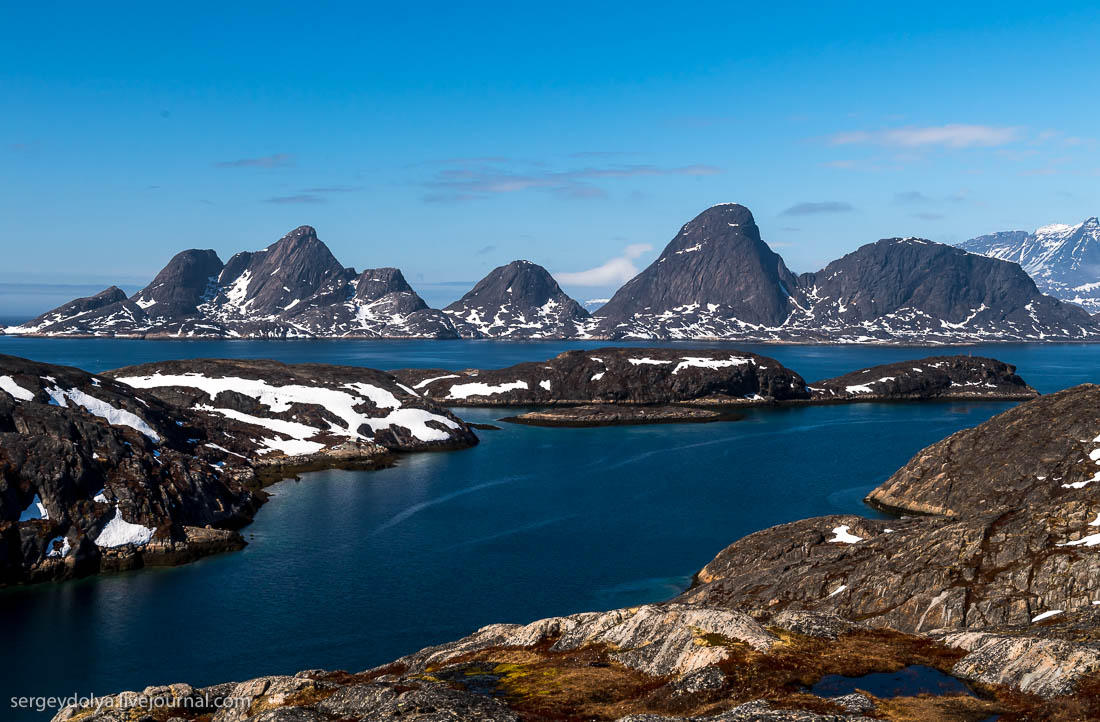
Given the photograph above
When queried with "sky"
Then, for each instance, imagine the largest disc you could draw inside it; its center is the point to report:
(450, 138)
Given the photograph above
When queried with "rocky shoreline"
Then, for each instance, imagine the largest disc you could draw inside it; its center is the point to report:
(164, 463)
(995, 584)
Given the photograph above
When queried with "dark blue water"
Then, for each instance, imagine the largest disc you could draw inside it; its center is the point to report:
(916, 679)
(351, 569)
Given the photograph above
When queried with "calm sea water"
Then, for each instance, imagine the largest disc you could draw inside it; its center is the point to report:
(351, 569)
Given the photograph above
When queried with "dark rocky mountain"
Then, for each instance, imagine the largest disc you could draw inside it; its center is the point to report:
(293, 288)
(910, 288)
(160, 464)
(935, 377)
(718, 279)
(616, 376)
(715, 279)
(1064, 260)
(520, 300)
(998, 589)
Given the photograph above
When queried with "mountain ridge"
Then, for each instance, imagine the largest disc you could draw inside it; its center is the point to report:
(717, 279)
(1063, 259)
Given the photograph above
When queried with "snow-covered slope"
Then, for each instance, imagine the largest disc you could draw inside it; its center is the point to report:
(1064, 260)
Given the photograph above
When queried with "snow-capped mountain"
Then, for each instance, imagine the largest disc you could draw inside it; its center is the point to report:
(293, 288)
(520, 300)
(718, 279)
(1064, 260)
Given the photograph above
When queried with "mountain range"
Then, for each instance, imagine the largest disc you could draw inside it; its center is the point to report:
(1064, 260)
(716, 279)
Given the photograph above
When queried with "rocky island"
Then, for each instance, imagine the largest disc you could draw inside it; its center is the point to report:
(993, 586)
(163, 463)
(613, 386)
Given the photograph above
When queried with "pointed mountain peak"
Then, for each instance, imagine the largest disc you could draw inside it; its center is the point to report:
(715, 272)
(519, 300)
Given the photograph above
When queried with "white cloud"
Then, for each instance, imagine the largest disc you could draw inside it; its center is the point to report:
(952, 135)
(614, 272)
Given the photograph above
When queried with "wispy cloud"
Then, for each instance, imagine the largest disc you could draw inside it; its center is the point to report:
(910, 197)
(614, 272)
(485, 250)
(810, 208)
(267, 161)
(333, 189)
(486, 179)
(952, 135)
(300, 198)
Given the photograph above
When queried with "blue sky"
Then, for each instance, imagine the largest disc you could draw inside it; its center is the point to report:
(447, 139)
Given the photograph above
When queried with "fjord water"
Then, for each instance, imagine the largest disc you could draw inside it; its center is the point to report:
(352, 569)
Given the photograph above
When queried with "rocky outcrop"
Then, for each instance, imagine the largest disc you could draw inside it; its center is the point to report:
(653, 663)
(620, 415)
(294, 288)
(520, 300)
(1009, 545)
(1063, 259)
(1039, 454)
(616, 376)
(95, 475)
(160, 464)
(936, 377)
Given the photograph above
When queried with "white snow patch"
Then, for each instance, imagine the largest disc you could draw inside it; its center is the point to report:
(102, 409)
(63, 551)
(647, 361)
(544, 384)
(1044, 615)
(704, 362)
(597, 377)
(837, 591)
(841, 535)
(425, 382)
(120, 532)
(7, 383)
(465, 391)
(1086, 541)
